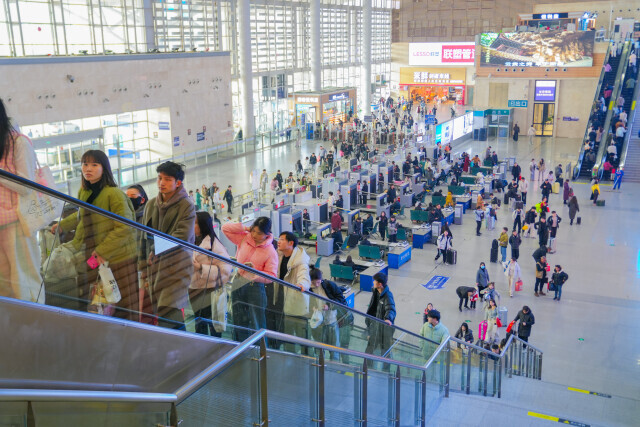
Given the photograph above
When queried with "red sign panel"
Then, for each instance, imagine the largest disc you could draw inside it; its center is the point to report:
(453, 53)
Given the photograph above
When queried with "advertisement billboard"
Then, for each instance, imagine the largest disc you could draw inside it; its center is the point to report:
(545, 91)
(453, 53)
(547, 49)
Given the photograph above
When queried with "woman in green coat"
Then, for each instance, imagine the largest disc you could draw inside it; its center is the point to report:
(104, 240)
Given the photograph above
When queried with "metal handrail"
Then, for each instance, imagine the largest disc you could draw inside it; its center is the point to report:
(187, 245)
(16, 395)
(576, 171)
(622, 67)
(630, 119)
(205, 376)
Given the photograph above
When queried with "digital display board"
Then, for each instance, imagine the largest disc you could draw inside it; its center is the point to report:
(546, 49)
(545, 91)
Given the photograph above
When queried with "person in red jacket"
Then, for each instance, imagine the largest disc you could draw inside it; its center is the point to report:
(336, 221)
(255, 250)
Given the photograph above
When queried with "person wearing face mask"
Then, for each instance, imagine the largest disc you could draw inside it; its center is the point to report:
(255, 250)
(138, 198)
(482, 278)
(103, 240)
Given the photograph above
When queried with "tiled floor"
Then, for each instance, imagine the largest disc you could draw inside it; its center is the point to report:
(590, 339)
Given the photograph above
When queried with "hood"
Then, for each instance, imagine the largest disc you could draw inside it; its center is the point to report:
(180, 194)
(298, 256)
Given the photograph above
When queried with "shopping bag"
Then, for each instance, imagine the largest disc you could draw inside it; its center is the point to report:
(60, 265)
(525, 227)
(510, 326)
(498, 322)
(110, 288)
(219, 307)
(518, 285)
(316, 319)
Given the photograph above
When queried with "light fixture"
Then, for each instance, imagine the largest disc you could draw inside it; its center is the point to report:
(71, 78)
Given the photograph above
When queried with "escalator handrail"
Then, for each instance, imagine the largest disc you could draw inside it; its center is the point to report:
(45, 395)
(630, 119)
(617, 90)
(143, 228)
(576, 171)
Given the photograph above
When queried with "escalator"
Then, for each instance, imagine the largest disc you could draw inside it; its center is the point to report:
(67, 366)
(598, 116)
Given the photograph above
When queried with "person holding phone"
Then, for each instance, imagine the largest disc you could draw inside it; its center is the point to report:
(255, 250)
(102, 239)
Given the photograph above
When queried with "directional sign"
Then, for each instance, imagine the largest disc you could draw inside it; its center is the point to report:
(518, 103)
(367, 119)
(430, 119)
(436, 282)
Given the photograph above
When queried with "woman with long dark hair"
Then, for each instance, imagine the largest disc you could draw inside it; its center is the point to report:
(206, 292)
(103, 240)
(19, 253)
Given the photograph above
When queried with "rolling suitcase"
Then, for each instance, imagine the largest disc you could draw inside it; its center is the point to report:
(552, 245)
(599, 202)
(561, 181)
(556, 187)
(494, 251)
(506, 199)
(579, 220)
(451, 256)
(503, 315)
(482, 330)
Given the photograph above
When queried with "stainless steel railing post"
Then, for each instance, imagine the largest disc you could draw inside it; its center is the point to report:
(262, 373)
(448, 370)
(318, 401)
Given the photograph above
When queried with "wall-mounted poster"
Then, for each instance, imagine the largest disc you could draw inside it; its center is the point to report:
(545, 49)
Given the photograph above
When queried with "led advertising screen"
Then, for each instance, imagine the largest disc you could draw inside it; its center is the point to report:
(547, 49)
(545, 91)
(452, 53)
(458, 127)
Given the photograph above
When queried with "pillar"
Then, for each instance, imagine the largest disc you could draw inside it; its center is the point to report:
(314, 49)
(365, 72)
(245, 67)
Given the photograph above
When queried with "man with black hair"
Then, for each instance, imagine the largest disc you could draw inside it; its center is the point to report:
(383, 307)
(169, 272)
(228, 197)
(558, 279)
(306, 221)
(526, 319)
(293, 267)
(434, 331)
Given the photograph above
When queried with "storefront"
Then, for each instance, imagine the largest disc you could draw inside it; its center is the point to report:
(326, 106)
(434, 85)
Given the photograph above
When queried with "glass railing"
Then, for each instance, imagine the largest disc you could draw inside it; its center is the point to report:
(601, 80)
(163, 281)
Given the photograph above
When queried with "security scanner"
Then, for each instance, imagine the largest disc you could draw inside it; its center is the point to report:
(319, 212)
(325, 241)
(342, 175)
(403, 188)
(354, 177)
(292, 221)
(406, 200)
(352, 163)
(329, 184)
(247, 207)
(248, 218)
(281, 199)
(351, 219)
(381, 204)
(349, 195)
(302, 197)
(458, 212)
(316, 190)
(436, 226)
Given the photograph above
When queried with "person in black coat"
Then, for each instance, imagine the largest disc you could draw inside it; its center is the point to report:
(367, 225)
(464, 293)
(365, 191)
(383, 307)
(228, 197)
(526, 319)
(546, 189)
(464, 334)
(383, 222)
(391, 194)
(516, 170)
(543, 232)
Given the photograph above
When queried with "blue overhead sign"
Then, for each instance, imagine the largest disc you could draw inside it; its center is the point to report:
(436, 282)
(200, 136)
(518, 103)
(163, 125)
(338, 96)
(430, 119)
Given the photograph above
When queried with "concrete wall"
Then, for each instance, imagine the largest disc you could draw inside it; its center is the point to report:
(195, 87)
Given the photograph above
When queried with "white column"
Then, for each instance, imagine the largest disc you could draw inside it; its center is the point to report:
(315, 61)
(245, 67)
(365, 72)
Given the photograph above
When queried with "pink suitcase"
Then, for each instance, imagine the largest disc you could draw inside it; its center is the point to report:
(482, 330)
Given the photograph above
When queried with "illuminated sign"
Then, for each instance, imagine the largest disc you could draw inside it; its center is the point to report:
(442, 53)
(426, 77)
(545, 90)
(307, 100)
(550, 15)
(339, 96)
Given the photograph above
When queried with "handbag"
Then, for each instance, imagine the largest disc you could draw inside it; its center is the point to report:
(104, 292)
(510, 326)
(498, 322)
(37, 210)
(519, 285)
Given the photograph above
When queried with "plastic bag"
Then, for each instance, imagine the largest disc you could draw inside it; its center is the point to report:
(109, 285)
(60, 265)
(316, 319)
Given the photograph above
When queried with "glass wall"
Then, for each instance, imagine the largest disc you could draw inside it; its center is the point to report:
(280, 40)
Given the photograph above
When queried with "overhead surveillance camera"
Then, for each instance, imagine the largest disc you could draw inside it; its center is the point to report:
(71, 78)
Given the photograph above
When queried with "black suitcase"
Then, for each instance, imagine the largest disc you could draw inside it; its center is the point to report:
(451, 256)
(494, 251)
(506, 198)
(579, 220)
(561, 181)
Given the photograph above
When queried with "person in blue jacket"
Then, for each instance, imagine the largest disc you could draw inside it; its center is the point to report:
(617, 178)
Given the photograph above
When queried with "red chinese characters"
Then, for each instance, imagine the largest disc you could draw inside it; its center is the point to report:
(457, 54)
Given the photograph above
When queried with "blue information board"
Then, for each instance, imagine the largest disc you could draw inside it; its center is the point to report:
(518, 103)
(436, 282)
(429, 119)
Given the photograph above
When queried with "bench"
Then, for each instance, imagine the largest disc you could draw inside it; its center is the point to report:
(468, 179)
(419, 216)
(438, 200)
(369, 252)
(344, 272)
(456, 190)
